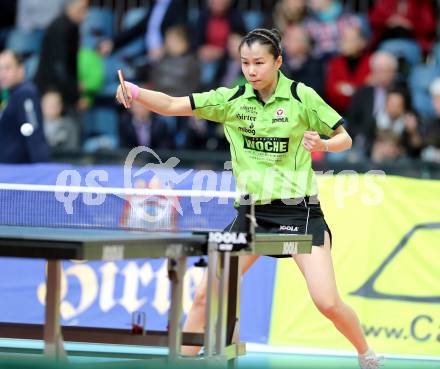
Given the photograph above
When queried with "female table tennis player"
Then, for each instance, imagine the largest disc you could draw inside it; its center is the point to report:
(273, 122)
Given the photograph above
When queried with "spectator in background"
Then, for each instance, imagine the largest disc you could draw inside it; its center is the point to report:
(397, 132)
(325, 25)
(161, 15)
(58, 68)
(299, 64)
(404, 19)
(288, 13)
(61, 131)
(141, 127)
(370, 99)
(431, 151)
(201, 134)
(347, 71)
(214, 25)
(176, 73)
(21, 125)
(36, 15)
(229, 72)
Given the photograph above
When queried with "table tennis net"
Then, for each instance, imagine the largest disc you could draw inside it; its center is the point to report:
(115, 208)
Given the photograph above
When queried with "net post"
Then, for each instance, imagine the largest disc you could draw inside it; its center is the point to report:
(246, 217)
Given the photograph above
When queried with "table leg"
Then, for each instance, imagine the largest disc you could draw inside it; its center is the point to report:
(211, 300)
(223, 303)
(232, 335)
(53, 339)
(176, 272)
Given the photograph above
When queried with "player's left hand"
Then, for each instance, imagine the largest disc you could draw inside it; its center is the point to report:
(312, 142)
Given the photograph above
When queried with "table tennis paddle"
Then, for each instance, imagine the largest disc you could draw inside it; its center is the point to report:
(123, 87)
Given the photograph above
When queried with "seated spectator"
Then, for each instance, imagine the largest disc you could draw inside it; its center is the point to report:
(431, 150)
(177, 72)
(21, 124)
(288, 13)
(299, 64)
(325, 25)
(397, 131)
(229, 72)
(386, 147)
(61, 131)
(370, 99)
(91, 74)
(347, 71)
(135, 129)
(408, 19)
(214, 25)
(161, 15)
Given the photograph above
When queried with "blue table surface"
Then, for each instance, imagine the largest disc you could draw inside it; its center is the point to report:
(87, 234)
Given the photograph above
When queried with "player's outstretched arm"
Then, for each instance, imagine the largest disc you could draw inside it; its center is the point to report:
(157, 102)
(340, 141)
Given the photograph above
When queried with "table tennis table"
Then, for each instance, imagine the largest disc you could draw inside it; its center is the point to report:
(220, 339)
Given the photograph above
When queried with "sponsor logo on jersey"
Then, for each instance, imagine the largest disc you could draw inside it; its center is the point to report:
(249, 130)
(280, 116)
(249, 109)
(277, 145)
(246, 117)
(280, 112)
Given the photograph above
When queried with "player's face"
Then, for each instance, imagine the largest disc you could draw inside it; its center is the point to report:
(259, 66)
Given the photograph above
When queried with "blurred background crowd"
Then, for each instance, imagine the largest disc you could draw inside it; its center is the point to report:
(375, 61)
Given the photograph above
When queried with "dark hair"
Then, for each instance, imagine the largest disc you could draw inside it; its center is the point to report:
(400, 89)
(18, 58)
(179, 29)
(271, 38)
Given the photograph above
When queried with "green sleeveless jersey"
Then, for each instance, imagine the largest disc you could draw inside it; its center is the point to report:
(268, 158)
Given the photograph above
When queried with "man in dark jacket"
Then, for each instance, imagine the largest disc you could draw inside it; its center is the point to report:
(21, 124)
(370, 99)
(57, 69)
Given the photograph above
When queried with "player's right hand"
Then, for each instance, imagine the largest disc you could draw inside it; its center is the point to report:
(124, 99)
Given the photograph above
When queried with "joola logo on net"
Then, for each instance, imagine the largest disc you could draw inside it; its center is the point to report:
(277, 145)
(249, 130)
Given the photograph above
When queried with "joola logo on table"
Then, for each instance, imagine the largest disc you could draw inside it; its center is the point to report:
(267, 144)
(227, 240)
(247, 117)
(228, 237)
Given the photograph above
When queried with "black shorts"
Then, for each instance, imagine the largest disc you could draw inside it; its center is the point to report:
(305, 217)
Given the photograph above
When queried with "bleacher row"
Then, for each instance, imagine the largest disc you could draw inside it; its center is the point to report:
(104, 19)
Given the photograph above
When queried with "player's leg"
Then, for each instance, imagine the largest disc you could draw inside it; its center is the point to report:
(195, 321)
(318, 272)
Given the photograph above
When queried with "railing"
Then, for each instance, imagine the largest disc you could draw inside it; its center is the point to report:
(220, 160)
